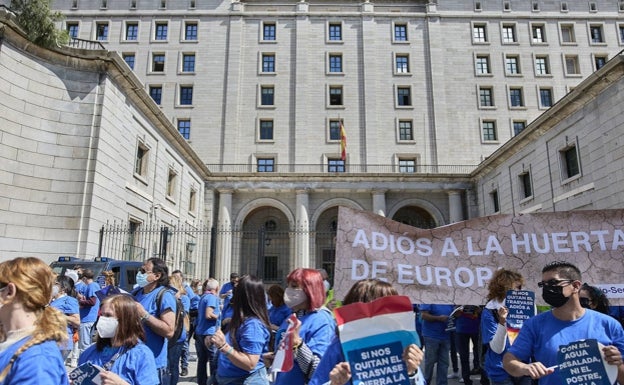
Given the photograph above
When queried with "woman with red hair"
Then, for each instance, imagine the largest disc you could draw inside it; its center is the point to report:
(305, 295)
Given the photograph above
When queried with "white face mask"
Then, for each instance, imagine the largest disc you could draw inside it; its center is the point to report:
(107, 326)
(327, 285)
(294, 297)
(55, 291)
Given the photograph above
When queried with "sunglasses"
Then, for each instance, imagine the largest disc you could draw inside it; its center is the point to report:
(143, 271)
(554, 282)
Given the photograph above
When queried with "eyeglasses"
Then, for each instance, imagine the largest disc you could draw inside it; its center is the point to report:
(554, 282)
(143, 271)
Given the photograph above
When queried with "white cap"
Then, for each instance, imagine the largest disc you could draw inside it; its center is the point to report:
(73, 274)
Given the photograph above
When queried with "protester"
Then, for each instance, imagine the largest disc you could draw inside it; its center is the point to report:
(64, 299)
(119, 347)
(567, 322)
(207, 324)
(89, 308)
(247, 337)
(494, 329)
(197, 290)
(279, 311)
(593, 298)
(305, 295)
(333, 366)
(226, 293)
(175, 348)
(192, 314)
(437, 341)
(110, 287)
(158, 317)
(31, 329)
(466, 335)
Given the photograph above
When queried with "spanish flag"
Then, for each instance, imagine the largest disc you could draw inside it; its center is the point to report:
(343, 142)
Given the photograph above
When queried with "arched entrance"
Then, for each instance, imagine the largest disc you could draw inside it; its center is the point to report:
(325, 241)
(415, 216)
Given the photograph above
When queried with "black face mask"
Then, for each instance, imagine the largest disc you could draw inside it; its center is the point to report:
(585, 302)
(553, 295)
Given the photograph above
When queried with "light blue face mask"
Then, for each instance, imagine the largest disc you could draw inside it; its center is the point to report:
(141, 279)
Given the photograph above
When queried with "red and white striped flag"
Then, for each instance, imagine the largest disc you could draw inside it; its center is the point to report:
(283, 361)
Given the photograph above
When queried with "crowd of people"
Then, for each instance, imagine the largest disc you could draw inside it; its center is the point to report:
(49, 323)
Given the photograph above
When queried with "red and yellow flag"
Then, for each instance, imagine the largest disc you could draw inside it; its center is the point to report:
(343, 142)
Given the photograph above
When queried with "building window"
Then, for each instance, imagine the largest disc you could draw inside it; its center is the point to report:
(407, 165)
(600, 61)
(192, 200)
(132, 31)
(268, 62)
(512, 65)
(156, 93)
(129, 58)
(72, 29)
(570, 162)
(172, 181)
(334, 130)
(335, 96)
(163, 4)
(188, 62)
(335, 165)
(486, 97)
(133, 4)
(538, 34)
(335, 32)
(509, 34)
(404, 96)
(266, 130)
(567, 34)
(518, 126)
(406, 131)
(186, 95)
(267, 96)
(158, 62)
(268, 31)
(335, 63)
(489, 131)
(542, 66)
(621, 30)
(266, 165)
(101, 31)
(572, 65)
(160, 31)
(596, 34)
(401, 64)
(515, 97)
(479, 33)
(184, 128)
(525, 184)
(494, 200)
(546, 99)
(400, 32)
(482, 64)
(190, 31)
(140, 162)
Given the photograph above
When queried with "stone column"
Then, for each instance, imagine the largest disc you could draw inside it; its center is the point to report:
(455, 206)
(223, 260)
(302, 228)
(379, 202)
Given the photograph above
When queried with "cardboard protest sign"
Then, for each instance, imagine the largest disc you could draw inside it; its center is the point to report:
(521, 307)
(86, 374)
(373, 336)
(453, 264)
(582, 362)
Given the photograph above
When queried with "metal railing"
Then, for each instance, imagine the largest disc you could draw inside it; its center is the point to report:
(348, 169)
(74, 42)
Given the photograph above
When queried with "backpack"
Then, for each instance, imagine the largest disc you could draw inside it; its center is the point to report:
(181, 318)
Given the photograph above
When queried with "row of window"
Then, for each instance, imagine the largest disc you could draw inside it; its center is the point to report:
(141, 172)
(132, 4)
(535, 6)
(570, 167)
(185, 94)
(541, 64)
(516, 97)
(403, 165)
(538, 35)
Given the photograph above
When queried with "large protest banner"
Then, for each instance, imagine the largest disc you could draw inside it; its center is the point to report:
(452, 264)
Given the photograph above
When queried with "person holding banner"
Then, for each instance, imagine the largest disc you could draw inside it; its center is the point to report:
(247, 337)
(568, 322)
(494, 329)
(305, 295)
(333, 366)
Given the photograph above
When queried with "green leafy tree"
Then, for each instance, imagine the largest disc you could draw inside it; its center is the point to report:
(37, 20)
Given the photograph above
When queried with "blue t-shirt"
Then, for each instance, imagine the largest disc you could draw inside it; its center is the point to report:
(252, 337)
(207, 327)
(40, 364)
(468, 320)
(318, 328)
(90, 313)
(541, 336)
(227, 309)
(332, 356)
(435, 329)
(67, 305)
(493, 361)
(277, 315)
(156, 343)
(136, 366)
(186, 305)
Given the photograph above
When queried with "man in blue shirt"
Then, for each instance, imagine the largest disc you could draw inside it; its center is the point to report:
(534, 352)
(185, 348)
(437, 341)
(226, 293)
(208, 312)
